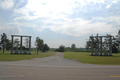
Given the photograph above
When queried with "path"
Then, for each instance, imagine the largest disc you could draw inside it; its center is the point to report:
(56, 68)
(55, 61)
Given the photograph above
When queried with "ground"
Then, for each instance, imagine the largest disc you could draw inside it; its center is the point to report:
(56, 68)
(84, 57)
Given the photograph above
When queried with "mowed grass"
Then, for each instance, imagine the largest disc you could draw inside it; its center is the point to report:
(16, 57)
(84, 57)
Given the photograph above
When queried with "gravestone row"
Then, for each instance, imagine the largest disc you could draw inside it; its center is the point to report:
(17, 51)
(105, 53)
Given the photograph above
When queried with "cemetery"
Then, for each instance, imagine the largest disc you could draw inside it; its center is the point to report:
(96, 53)
(21, 42)
(99, 55)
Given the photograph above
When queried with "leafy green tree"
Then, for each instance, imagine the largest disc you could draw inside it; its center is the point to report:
(8, 44)
(88, 45)
(61, 48)
(95, 43)
(39, 44)
(106, 42)
(45, 48)
(73, 47)
(16, 43)
(116, 43)
(117, 40)
(26, 42)
(3, 41)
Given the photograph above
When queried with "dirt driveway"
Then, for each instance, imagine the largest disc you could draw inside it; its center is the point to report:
(54, 61)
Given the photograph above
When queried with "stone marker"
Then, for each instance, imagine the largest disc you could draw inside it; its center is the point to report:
(105, 53)
(16, 51)
(96, 53)
(25, 52)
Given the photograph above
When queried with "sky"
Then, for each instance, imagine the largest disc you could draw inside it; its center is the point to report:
(60, 22)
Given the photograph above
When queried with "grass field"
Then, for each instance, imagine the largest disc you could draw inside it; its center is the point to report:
(84, 57)
(15, 57)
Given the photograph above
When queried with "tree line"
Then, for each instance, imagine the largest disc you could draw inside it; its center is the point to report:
(62, 48)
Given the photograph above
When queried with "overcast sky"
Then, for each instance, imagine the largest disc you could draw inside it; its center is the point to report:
(59, 22)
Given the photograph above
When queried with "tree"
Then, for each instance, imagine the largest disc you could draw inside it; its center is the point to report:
(95, 42)
(23, 48)
(8, 44)
(26, 42)
(16, 43)
(88, 45)
(117, 40)
(73, 47)
(45, 48)
(3, 41)
(116, 43)
(39, 44)
(61, 48)
(105, 44)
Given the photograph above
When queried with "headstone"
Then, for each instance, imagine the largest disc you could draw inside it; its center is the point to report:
(16, 51)
(25, 52)
(96, 53)
(105, 53)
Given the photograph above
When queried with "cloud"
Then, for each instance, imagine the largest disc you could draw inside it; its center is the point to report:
(73, 17)
(6, 4)
(116, 19)
(9, 30)
(108, 6)
(60, 8)
(80, 27)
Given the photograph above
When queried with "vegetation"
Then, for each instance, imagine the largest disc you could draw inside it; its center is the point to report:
(45, 48)
(84, 57)
(8, 44)
(3, 41)
(16, 44)
(73, 47)
(15, 57)
(40, 45)
(61, 49)
(105, 43)
(26, 42)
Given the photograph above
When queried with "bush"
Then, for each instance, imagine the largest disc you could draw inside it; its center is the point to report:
(61, 49)
(114, 50)
(82, 51)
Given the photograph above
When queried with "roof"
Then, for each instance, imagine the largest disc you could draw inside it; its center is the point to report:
(20, 36)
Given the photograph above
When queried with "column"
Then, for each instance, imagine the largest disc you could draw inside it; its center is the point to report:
(92, 46)
(12, 46)
(21, 45)
(110, 46)
(29, 45)
(100, 46)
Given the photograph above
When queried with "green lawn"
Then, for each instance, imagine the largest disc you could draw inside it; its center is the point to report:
(15, 57)
(84, 57)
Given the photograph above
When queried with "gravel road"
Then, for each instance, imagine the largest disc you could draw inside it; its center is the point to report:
(56, 68)
(55, 61)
